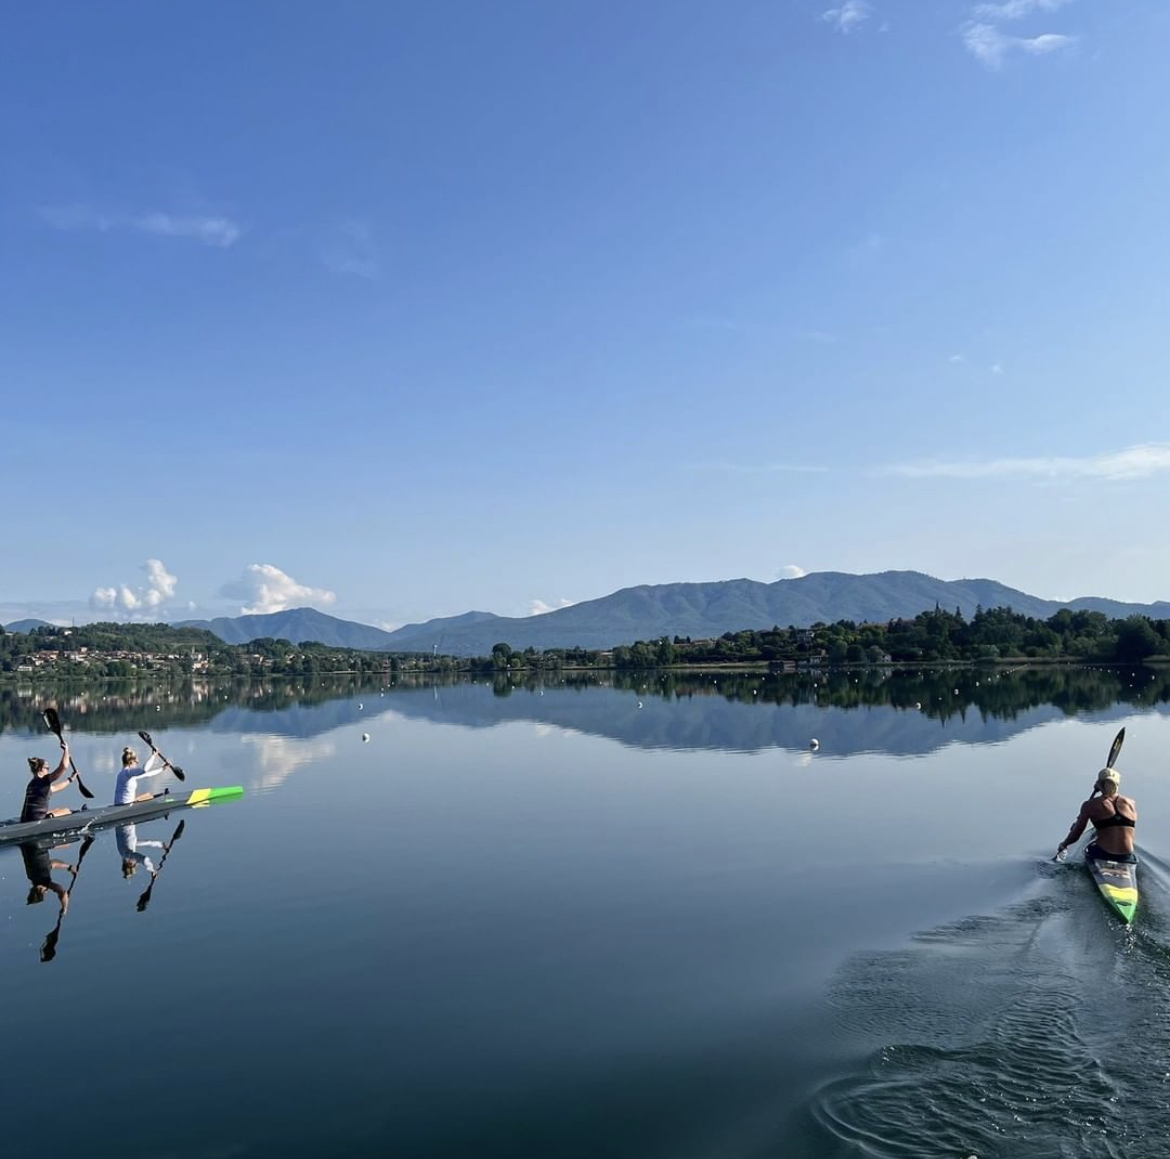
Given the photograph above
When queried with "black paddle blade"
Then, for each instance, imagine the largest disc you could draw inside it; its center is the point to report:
(178, 832)
(49, 945)
(1115, 749)
(178, 772)
(52, 720)
(146, 737)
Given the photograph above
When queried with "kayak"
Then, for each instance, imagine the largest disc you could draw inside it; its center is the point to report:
(85, 820)
(1117, 881)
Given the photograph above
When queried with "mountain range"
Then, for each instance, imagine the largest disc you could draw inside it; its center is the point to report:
(697, 610)
(649, 612)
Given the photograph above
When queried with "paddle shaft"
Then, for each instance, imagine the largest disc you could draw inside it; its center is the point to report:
(174, 768)
(53, 721)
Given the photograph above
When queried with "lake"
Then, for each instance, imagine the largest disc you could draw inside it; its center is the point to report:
(628, 916)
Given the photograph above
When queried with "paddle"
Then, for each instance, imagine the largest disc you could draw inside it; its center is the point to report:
(49, 945)
(51, 718)
(1110, 761)
(144, 900)
(174, 768)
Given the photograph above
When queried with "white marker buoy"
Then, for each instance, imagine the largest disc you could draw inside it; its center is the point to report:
(365, 736)
(814, 743)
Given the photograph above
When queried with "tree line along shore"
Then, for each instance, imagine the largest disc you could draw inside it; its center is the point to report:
(989, 636)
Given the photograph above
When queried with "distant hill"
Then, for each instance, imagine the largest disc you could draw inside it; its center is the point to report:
(700, 611)
(25, 625)
(302, 625)
(298, 625)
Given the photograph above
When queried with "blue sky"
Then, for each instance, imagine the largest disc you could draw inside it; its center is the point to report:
(401, 310)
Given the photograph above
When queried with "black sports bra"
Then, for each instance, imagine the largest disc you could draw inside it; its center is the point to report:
(1116, 819)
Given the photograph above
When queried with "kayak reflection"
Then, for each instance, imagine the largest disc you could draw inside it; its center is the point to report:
(134, 854)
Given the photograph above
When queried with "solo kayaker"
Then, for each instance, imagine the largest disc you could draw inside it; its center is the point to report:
(126, 788)
(1111, 815)
(44, 783)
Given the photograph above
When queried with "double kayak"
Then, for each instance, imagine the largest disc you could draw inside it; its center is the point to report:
(85, 820)
(1117, 881)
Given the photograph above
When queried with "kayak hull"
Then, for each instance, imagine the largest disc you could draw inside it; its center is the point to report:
(1116, 881)
(86, 820)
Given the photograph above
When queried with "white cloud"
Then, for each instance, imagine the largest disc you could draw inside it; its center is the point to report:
(539, 607)
(1016, 9)
(991, 47)
(351, 249)
(217, 231)
(1138, 462)
(791, 571)
(264, 588)
(140, 602)
(957, 358)
(849, 17)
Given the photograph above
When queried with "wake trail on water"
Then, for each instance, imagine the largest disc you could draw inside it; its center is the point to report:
(1041, 1031)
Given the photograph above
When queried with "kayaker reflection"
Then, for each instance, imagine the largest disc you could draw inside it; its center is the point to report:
(43, 785)
(126, 788)
(39, 867)
(130, 847)
(1111, 815)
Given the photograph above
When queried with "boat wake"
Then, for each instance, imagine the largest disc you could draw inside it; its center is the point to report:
(1042, 1031)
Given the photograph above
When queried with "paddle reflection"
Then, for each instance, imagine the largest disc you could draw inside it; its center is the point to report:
(39, 866)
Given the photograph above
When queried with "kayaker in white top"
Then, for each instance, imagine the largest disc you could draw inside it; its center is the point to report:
(129, 845)
(126, 790)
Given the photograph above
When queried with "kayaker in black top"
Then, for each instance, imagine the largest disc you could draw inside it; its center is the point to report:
(1111, 815)
(43, 784)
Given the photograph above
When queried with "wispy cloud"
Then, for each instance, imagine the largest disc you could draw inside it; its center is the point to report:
(145, 600)
(351, 248)
(849, 17)
(956, 358)
(756, 469)
(264, 588)
(540, 608)
(791, 571)
(991, 47)
(215, 231)
(1016, 9)
(1138, 462)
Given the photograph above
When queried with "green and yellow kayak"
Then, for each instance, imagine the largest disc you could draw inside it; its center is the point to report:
(1117, 881)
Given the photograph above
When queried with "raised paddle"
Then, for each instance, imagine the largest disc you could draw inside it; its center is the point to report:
(174, 768)
(50, 717)
(144, 900)
(1115, 749)
(49, 945)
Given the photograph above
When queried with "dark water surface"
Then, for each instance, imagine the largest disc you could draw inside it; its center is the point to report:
(555, 923)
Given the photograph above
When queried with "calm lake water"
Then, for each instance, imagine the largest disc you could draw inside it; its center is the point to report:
(634, 920)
